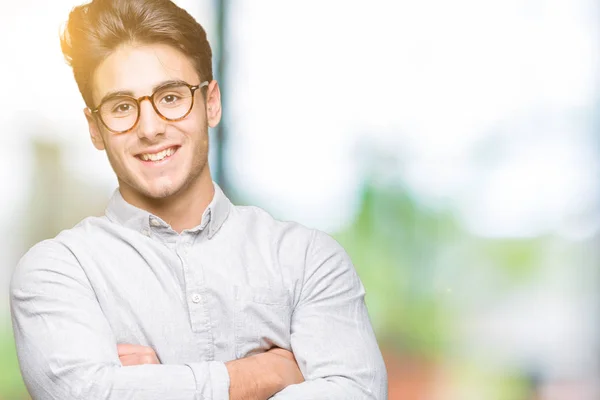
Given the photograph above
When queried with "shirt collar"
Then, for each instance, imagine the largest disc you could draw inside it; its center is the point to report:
(129, 216)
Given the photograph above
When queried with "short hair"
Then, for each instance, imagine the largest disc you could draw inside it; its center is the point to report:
(96, 29)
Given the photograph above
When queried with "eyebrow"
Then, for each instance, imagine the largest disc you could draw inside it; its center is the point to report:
(116, 93)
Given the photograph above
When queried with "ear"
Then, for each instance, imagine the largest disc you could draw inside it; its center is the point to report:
(213, 104)
(95, 134)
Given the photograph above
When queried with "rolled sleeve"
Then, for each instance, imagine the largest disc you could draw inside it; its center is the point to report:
(218, 379)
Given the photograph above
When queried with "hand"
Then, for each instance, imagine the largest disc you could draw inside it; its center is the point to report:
(134, 354)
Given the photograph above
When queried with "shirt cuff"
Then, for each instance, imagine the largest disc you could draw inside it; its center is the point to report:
(212, 379)
(219, 377)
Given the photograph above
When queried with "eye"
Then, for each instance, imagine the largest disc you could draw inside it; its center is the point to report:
(122, 108)
(170, 98)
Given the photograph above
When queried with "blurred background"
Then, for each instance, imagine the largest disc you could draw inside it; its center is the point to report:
(451, 147)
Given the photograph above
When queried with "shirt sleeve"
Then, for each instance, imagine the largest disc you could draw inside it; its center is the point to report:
(331, 336)
(66, 348)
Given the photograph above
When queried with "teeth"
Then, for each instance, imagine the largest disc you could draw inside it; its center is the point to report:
(158, 156)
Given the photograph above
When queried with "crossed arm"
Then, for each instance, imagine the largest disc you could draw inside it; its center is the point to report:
(253, 378)
(67, 350)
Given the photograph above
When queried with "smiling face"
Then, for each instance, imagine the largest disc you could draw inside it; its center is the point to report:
(157, 159)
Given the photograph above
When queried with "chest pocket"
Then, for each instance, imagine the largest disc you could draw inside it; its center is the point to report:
(262, 318)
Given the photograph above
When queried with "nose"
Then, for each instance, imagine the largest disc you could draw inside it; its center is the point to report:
(150, 124)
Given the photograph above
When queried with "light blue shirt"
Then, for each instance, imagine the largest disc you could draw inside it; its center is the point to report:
(238, 284)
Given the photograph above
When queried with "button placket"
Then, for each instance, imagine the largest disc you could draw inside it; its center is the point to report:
(193, 288)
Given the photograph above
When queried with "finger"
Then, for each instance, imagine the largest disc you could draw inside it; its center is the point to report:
(127, 348)
(129, 360)
(138, 359)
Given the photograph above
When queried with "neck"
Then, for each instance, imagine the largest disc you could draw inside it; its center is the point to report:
(182, 210)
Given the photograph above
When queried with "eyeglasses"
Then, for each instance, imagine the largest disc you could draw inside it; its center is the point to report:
(172, 102)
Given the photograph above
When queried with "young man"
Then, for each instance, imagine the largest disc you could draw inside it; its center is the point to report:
(176, 293)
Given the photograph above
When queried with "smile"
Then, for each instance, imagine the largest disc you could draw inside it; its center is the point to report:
(159, 156)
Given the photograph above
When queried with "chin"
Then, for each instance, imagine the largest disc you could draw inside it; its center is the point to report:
(157, 191)
(163, 193)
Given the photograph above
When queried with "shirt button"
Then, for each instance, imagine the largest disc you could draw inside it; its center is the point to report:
(146, 232)
(196, 298)
(154, 222)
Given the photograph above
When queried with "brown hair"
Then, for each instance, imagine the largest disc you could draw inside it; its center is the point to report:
(96, 29)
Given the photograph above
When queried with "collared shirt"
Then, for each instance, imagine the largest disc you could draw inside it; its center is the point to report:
(238, 284)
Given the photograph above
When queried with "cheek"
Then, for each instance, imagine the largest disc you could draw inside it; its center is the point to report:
(118, 148)
(195, 124)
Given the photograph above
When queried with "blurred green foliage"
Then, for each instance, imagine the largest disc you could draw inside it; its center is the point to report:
(409, 256)
(517, 258)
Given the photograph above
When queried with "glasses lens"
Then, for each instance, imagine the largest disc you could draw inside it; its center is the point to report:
(173, 102)
(119, 113)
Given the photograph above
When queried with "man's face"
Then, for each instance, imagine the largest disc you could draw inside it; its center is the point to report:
(139, 69)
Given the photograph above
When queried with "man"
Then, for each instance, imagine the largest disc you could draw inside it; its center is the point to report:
(176, 293)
